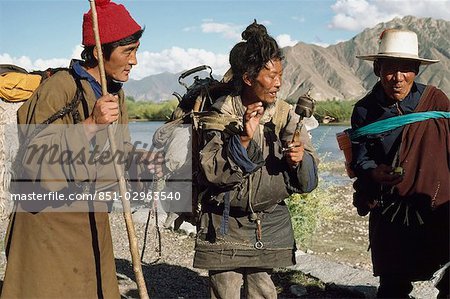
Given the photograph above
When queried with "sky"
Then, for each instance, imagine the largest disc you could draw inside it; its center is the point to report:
(181, 34)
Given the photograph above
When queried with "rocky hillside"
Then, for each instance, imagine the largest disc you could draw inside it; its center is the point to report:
(156, 87)
(160, 87)
(334, 72)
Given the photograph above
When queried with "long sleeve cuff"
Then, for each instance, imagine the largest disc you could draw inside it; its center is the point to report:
(248, 160)
(307, 173)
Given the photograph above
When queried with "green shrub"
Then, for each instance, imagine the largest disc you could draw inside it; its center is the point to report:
(340, 110)
(149, 110)
(308, 211)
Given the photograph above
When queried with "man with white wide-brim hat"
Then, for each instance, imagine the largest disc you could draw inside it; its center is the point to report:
(402, 168)
(397, 43)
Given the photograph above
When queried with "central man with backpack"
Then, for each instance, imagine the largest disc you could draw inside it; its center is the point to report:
(244, 228)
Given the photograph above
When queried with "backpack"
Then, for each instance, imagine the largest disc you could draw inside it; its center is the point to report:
(195, 115)
(200, 95)
(17, 86)
(179, 139)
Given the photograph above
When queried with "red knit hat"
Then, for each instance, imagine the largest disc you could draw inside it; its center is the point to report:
(114, 23)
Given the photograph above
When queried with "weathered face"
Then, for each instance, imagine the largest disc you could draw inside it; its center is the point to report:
(397, 77)
(268, 82)
(122, 59)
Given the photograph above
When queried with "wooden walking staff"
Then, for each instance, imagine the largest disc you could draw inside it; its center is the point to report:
(137, 267)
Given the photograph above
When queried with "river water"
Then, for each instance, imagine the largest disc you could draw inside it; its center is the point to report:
(323, 137)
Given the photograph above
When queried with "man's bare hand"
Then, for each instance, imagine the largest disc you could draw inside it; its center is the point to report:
(252, 115)
(105, 112)
(294, 153)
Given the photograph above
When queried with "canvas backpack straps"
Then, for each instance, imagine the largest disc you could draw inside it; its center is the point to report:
(281, 116)
(78, 98)
(69, 108)
(211, 120)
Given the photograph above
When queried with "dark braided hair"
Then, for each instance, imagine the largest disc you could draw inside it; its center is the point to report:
(252, 54)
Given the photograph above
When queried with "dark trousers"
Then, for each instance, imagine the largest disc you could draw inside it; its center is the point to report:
(394, 287)
(444, 285)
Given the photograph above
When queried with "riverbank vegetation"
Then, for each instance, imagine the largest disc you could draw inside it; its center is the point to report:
(333, 111)
(309, 211)
(151, 111)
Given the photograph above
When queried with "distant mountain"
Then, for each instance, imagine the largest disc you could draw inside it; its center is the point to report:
(155, 87)
(334, 72)
(160, 87)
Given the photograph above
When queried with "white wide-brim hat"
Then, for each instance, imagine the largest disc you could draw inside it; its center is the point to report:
(397, 43)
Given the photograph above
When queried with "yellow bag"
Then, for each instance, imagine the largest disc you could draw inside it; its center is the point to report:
(17, 87)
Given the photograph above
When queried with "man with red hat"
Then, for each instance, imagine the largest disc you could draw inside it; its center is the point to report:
(63, 249)
(400, 150)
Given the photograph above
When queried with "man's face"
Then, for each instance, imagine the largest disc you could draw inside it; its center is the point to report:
(122, 59)
(268, 82)
(397, 77)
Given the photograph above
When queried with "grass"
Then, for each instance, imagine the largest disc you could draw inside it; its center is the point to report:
(309, 211)
(149, 110)
(340, 110)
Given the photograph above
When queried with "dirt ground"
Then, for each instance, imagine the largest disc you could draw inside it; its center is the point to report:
(171, 275)
(345, 238)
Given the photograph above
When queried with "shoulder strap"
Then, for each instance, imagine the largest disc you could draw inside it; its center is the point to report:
(79, 97)
(72, 106)
(391, 123)
(424, 98)
(228, 124)
(281, 115)
(69, 108)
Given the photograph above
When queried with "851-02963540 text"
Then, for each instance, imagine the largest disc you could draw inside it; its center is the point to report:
(140, 196)
(98, 195)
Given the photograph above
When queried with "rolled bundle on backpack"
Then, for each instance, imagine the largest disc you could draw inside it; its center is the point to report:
(18, 87)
